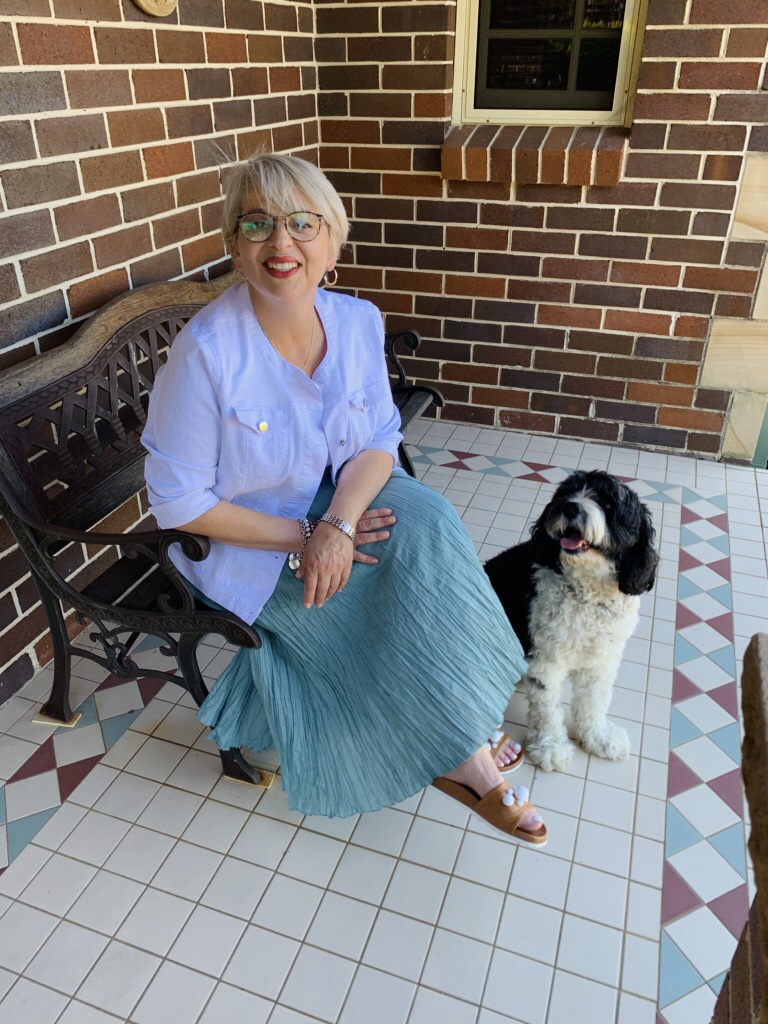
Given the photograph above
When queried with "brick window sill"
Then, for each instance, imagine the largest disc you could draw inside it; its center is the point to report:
(534, 155)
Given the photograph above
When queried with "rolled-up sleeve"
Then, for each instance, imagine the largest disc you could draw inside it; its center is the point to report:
(183, 435)
(386, 435)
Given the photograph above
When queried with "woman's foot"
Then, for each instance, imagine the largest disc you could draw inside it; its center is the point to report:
(507, 754)
(480, 773)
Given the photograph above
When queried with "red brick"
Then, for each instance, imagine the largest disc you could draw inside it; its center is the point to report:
(8, 53)
(646, 273)
(403, 281)
(553, 154)
(87, 296)
(543, 241)
(747, 42)
(176, 228)
(526, 155)
(673, 107)
(45, 44)
(629, 369)
(581, 156)
(723, 76)
(538, 291)
(94, 88)
(500, 398)
(59, 135)
(125, 45)
(132, 127)
(574, 269)
(204, 250)
(568, 316)
(681, 373)
(122, 246)
(40, 183)
(110, 170)
(534, 422)
(180, 47)
(721, 279)
(659, 394)
(691, 326)
(640, 323)
(168, 161)
(476, 238)
(565, 362)
(465, 284)
(52, 268)
(684, 42)
(740, 12)
(691, 419)
(612, 246)
(159, 85)
(381, 158)
(225, 48)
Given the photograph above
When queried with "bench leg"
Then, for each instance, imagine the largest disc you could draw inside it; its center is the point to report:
(57, 708)
(237, 768)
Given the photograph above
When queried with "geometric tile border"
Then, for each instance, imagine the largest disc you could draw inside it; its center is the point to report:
(704, 891)
(705, 899)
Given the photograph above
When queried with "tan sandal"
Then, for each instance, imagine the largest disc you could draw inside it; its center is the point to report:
(503, 808)
(496, 741)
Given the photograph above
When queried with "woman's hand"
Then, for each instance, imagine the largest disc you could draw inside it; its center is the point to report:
(328, 556)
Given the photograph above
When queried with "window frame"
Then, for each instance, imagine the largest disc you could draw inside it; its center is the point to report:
(464, 110)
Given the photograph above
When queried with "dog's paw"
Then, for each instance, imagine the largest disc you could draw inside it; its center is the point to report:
(550, 755)
(609, 741)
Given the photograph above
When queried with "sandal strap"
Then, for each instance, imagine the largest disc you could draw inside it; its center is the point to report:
(492, 806)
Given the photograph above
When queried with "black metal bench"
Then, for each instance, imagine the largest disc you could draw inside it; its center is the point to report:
(70, 456)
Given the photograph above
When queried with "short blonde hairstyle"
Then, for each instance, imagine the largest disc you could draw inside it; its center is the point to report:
(277, 180)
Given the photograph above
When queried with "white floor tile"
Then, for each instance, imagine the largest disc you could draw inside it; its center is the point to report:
(377, 998)
(318, 983)
(119, 978)
(430, 1007)
(597, 896)
(57, 828)
(416, 892)
(705, 941)
(288, 906)
(30, 1003)
(606, 849)
(590, 950)
(215, 826)
(139, 853)
(155, 921)
(384, 831)
(105, 902)
(398, 945)
(363, 874)
(540, 878)
(229, 1003)
(236, 888)
(472, 910)
(640, 969)
(644, 911)
(23, 930)
(94, 838)
(81, 1013)
(530, 929)
(580, 1001)
(457, 965)
(127, 796)
(66, 958)
(175, 993)
(432, 844)
(485, 860)
(170, 810)
(311, 857)
(528, 1002)
(274, 955)
(342, 925)
(263, 841)
(187, 870)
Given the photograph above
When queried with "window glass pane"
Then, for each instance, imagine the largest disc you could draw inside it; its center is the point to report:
(533, 13)
(603, 14)
(528, 63)
(598, 60)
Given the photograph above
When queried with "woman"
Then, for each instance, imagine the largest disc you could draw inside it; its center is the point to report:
(272, 430)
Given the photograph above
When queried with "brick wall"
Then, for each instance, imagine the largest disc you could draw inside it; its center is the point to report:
(110, 127)
(577, 310)
(742, 999)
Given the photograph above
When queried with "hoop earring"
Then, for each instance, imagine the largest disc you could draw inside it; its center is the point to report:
(327, 283)
(237, 276)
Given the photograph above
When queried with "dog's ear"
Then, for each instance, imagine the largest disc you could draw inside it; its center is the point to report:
(544, 550)
(637, 565)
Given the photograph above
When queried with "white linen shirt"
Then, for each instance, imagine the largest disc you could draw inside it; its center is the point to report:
(229, 419)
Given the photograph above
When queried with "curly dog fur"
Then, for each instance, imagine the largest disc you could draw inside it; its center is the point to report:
(571, 593)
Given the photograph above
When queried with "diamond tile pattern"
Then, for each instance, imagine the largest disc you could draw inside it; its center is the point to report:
(414, 912)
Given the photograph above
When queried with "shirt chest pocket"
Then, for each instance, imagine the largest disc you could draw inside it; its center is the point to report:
(363, 412)
(263, 438)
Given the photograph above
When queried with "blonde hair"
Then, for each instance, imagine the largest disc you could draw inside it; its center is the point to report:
(277, 180)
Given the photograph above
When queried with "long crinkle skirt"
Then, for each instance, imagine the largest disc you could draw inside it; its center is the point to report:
(395, 680)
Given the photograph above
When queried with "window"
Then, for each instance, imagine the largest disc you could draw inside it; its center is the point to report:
(567, 62)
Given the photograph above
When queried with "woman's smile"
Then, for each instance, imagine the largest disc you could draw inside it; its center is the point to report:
(281, 266)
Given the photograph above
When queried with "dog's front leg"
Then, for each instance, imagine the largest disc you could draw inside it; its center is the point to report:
(546, 742)
(597, 734)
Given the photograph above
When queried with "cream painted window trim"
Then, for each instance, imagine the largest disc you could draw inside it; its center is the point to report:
(465, 112)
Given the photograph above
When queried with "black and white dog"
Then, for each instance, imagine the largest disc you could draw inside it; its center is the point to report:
(572, 595)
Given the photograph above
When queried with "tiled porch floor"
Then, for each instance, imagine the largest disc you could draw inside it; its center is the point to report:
(143, 887)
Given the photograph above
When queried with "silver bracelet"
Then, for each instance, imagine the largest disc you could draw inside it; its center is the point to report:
(307, 529)
(340, 524)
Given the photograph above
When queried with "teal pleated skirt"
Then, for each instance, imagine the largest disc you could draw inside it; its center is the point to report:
(395, 680)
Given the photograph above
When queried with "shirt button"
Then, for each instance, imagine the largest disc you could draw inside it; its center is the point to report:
(365, 403)
(263, 426)
(343, 441)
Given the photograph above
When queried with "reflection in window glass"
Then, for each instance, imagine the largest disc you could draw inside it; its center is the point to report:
(598, 60)
(528, 63)
(603, 14)
(529, 14)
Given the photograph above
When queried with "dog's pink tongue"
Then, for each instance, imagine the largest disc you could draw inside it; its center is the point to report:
(571, 543)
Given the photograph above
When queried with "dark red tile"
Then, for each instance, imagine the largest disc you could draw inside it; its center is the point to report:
(43, 760)
(727, 697)
(686, 516)
(730, 788)
(721, 521)
(687, 561)
(680, 778)
(685, 617)
(682, 687)
(732, 909)
(677, 897)
(149, 688)
(722, 568)
(723, 624)
(71, 775)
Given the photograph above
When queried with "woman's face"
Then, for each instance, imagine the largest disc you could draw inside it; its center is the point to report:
(283, 267)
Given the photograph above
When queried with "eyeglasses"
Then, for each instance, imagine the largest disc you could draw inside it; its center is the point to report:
(303, 225)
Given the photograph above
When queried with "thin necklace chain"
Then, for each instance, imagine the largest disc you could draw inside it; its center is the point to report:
(311, 342)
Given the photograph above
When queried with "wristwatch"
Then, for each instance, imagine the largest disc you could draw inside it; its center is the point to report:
(340, 524)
